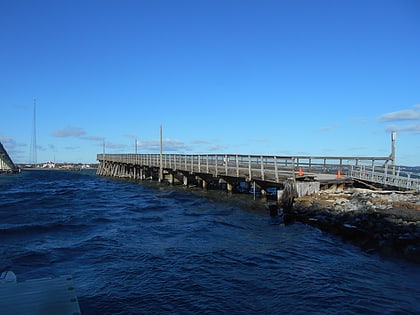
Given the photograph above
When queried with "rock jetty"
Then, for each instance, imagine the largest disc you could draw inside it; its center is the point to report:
(379, 221)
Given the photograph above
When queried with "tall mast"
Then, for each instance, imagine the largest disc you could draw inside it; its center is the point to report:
(33, 153)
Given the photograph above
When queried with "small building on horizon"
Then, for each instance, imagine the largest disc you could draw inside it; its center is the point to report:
(48, 164)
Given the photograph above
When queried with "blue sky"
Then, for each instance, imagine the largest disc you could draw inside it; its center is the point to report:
(324, 78)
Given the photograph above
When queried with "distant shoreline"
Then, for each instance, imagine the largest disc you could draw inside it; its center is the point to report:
(57, 168)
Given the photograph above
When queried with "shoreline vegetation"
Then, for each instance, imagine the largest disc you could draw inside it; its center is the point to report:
(386, 222)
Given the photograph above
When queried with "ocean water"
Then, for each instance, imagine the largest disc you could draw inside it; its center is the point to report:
(136, 248)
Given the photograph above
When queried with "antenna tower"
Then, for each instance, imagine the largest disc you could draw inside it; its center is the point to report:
(33, 155)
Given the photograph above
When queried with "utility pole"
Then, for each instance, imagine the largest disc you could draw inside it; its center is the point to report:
(103, 149)
(33, 153)
(393, 139)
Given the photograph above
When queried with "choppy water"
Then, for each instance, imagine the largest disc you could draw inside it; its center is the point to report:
(141, 249)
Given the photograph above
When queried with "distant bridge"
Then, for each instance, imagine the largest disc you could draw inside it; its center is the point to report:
(6, 163)
(264, 171)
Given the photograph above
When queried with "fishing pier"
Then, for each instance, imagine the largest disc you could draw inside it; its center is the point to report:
(265, 174)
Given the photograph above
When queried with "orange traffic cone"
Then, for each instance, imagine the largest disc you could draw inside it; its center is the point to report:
(300, 172)
(338, 174)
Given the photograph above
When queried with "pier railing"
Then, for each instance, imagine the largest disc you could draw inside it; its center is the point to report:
(387, 176)
(274, 168)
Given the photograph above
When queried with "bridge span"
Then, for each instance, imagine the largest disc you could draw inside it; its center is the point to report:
(6, 163)
(238, 172)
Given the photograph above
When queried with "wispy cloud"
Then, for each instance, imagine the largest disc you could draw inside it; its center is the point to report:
(203, 145)
(111, 145)
(72, 148)
(325, 129)
(42, 148)
(17, 151)
(409, 128)
(402, 115)
(93, 138)
(200, 141)
(69, 131)
(7, 141)
(10, 144)
(332, 126)
(168, 145)
(398, 118)
(21, 106)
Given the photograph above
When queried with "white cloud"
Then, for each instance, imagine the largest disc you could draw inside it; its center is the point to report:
(401, 116)
(408, 128)
(69, 131)
(406, 114)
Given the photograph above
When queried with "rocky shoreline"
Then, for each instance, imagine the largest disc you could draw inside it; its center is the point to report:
(387, 222)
